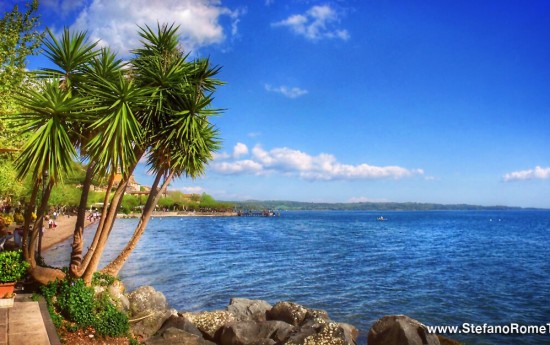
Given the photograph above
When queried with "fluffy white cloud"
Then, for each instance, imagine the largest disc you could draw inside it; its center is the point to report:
(114, 23)
(240, 150)
(290, 92)
(532, 174)
(297, 163)
(319, 22)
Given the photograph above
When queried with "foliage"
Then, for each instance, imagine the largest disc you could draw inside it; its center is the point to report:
(19, 37)
(12, 266)
(101, 279)
(73, 306)
(129, 204)
(5, 220)
(18, 218)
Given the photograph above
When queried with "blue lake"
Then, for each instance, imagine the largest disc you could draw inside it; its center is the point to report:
(441, 268)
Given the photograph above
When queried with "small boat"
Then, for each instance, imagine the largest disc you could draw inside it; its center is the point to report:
(381, 219)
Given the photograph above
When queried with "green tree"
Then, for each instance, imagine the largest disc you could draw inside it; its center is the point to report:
(180, 138)
(19, 38)
(111, 115)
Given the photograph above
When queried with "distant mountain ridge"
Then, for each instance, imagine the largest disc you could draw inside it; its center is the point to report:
(365, 206)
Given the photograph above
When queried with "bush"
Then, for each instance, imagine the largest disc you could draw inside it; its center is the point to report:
(12, 266)
(18, 218)
(75, 302)
(5, 220)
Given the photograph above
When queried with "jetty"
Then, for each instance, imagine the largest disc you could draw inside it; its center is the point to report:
(258, 213)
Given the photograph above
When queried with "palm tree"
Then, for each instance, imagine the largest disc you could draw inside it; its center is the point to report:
(50, 114)
(181, 139)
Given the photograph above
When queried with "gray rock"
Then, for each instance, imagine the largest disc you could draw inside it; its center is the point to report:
(247, 309)
(210, 322)
(148, 310)
(288, 312)
(400, 330)
(322, 333)
(254, 333)
(174, 336)
(182, 323)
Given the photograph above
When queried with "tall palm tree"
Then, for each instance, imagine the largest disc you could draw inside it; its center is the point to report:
(49, 114)
(180, 138)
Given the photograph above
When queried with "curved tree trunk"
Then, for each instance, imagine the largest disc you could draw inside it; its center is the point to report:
(78, 239)
(100, 227)
(104, 232)
(38, 224)
(116, 265)
(28, 219)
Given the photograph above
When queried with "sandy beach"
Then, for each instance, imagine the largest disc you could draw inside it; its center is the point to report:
(64, 230)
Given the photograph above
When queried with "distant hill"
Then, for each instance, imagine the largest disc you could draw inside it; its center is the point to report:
(362, 206)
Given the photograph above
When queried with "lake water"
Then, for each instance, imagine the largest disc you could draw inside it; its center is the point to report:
(441, 268)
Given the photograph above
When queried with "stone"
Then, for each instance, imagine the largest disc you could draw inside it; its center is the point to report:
(322, 333)
(210, 322)
(254, 333)
(148, 310)
(180, 322)
(400, 330)
(288, 312)
(246, 309)
(172, 336)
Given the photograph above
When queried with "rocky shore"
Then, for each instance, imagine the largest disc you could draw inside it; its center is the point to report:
(256, 322)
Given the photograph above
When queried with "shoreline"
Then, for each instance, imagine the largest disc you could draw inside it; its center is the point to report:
(65, 226)
(63, 231)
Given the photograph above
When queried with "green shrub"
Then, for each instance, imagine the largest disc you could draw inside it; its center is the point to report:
(102, 279)
(76, 302)
(12, 266)
(111, 322)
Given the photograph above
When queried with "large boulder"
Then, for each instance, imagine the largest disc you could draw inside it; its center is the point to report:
(172, 336)
(148, 310)
(182, 323)
(400, 330)
(210, 322)
(248, 310)
(288, 312)
(254, 333)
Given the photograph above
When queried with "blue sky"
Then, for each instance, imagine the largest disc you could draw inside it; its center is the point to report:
(351, 100)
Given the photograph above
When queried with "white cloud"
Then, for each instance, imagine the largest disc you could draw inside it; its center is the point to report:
(319, 22)
(290, 92)
(240, 150)
(191, 190)
(532, 174)
(114, 23)
(365, 199)
(297, 163)
(238, 167)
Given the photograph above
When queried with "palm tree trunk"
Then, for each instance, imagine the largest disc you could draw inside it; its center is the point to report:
(38, 224)
(108, 216)
(78, 240)
(28, 219)
(104, 232)
(116, 265)
(99, 230)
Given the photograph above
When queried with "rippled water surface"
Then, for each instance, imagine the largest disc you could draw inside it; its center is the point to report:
(442, 268)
